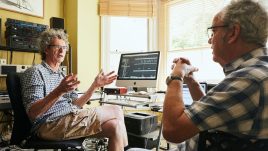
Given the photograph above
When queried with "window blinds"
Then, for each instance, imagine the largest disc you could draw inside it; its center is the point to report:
(135, 8)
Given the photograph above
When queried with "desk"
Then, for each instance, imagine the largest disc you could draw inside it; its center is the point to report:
(127, 103)
(131, 100)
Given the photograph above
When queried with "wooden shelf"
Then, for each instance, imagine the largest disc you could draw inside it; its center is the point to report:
(34, 50)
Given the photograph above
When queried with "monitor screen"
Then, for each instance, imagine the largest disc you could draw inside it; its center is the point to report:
(138, 69)
(187, 98)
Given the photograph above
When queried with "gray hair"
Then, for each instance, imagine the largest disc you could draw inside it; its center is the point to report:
(47, 36)
(252, 18)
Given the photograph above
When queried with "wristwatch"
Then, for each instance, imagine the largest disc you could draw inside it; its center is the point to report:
(172, 77)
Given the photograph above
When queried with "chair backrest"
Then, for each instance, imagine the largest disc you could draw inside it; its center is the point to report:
(22, 124)
(222, 141)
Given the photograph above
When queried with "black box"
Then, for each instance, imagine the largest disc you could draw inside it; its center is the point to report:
(57, 23)
(148, 141)
(27, 43)
(140, 123)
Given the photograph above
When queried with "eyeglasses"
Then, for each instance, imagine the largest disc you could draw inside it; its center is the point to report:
(210, 31)
(58, 47)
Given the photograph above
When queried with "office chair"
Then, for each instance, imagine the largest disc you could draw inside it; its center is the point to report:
(221, 141)
(22, 124)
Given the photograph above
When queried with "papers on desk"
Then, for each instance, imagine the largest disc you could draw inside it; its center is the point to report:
(95, 96)
(141, 95)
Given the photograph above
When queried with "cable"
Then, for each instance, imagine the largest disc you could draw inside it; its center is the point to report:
(11, 57)
(7, 57)
(33, 63)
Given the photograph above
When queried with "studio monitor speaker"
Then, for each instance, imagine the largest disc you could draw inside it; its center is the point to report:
(57, 23)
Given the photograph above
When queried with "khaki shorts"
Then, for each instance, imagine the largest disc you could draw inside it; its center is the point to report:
(83, 123)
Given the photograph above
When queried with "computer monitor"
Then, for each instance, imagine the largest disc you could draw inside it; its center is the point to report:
(187, 98)
(138, 69)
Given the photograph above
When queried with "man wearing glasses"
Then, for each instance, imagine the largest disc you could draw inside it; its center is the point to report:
(53, 106)
(237, 106)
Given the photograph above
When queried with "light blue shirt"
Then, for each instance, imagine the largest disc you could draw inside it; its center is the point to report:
(37, 82)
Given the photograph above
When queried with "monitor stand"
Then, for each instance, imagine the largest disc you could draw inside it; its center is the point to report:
(137, 89)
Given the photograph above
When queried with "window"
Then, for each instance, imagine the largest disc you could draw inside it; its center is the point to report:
(123, 35)
(187, 36)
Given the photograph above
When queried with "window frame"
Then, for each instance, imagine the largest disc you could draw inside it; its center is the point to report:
(105, 38)
(165, 44)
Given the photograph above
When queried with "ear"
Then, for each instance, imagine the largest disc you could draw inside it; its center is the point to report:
(46, 50)
(234, 33)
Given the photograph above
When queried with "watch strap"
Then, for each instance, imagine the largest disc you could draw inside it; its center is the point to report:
(176, 78)
(172, 77)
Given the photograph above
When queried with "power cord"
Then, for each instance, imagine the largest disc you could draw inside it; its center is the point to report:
(101, 94)
(11, 57)
(33, 63)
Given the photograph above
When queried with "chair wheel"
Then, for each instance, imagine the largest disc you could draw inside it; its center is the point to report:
(95, 144)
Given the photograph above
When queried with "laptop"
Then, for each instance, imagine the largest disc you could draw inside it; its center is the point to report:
(187, 99)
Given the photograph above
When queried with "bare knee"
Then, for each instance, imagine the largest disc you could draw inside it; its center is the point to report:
(110, 128)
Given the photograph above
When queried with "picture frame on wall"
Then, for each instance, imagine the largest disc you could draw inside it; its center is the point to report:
(29, 7)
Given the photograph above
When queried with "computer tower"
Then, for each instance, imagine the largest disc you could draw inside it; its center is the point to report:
(148, 141)
(140, 123)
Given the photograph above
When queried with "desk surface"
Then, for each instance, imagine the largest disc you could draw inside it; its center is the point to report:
(128, 103)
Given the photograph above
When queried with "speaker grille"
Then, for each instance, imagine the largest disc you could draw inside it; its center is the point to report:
(57, 23)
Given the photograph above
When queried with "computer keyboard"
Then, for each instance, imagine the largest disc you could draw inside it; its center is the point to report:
(145, 95)
(129, 103)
